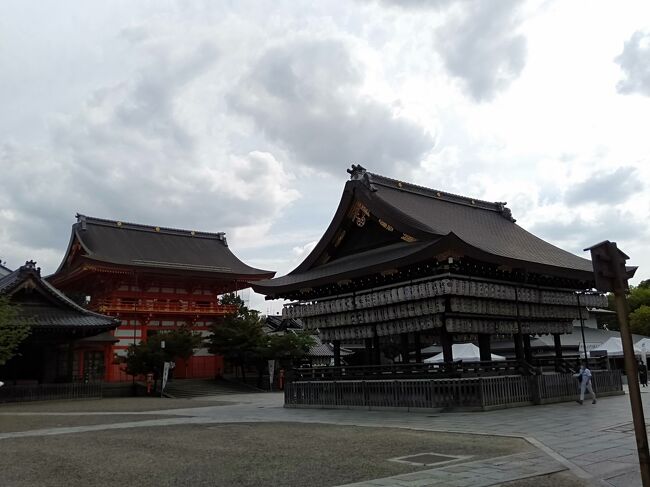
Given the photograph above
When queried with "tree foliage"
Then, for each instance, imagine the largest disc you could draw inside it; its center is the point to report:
(640, 320)
(13, 329)
(149, 356)
(638, 300)
(291, 346)
(240, 338)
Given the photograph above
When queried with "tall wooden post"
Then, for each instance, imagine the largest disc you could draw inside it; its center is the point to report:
(447, 341)
(519, 346)
(376, 348)
(368, 346)
(611, 275)
(418, 347)
(557, 341)
(70, 360)
(404, 347)
(337, 353)
(528, 351)
(484, 347)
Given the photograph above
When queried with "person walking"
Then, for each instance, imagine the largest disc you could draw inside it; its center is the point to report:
(643, 374)
(584, 378)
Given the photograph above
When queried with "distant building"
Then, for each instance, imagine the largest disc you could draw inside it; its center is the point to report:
(153, 280)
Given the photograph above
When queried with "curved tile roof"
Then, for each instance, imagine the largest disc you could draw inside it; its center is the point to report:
(144, 246)
(483, 229)
(55, 309)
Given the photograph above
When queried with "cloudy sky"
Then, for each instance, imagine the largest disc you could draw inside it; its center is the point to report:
(242, 116)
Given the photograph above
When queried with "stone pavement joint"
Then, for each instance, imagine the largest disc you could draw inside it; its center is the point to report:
(477, 473)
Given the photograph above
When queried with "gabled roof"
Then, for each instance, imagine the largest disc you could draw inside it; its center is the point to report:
(320, 349)
(4, 270)
(156, 248)
(51, 308)
(426, 222)
(276, 323)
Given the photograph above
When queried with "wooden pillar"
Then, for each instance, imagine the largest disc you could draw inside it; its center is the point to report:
(376, 348)
(558, 345)
(528, 351)
(369, 356)
(337, 353)
(418, 347)
(446, 340)
(519, 346)
(484, 347)
(404, 347)
(70, 372)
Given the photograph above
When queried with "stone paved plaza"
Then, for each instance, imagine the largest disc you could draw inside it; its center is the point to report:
(593, 443)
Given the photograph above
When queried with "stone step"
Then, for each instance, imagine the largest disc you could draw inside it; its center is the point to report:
(197, 388)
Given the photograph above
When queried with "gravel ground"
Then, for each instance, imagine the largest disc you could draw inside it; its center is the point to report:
(26, 423)
(243, 454)
(117, 404)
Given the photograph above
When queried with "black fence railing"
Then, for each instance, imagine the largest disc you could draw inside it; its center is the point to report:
(480, 392)
(415, 371)
(43, 392)
(568, 366)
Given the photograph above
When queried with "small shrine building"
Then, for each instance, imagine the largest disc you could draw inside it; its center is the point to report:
(67, 342)
(153, 279)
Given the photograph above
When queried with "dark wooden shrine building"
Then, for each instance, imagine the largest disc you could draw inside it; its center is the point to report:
(67, 342)
(404, 265)
(153, 279)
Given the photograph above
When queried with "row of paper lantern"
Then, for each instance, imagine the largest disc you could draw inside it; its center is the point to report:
(440, 287)
(472, 325)
(379, 315)
(506, 308)
(382, 329)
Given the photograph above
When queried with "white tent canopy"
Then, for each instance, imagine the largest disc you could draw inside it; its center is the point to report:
(467, 352)
(614, 348)
(643, 341)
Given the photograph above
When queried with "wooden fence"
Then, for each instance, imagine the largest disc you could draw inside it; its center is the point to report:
(42, 392)
(472, 393)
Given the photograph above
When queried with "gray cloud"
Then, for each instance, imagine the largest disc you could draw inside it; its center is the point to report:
(419, 4)
(130, 154)
(478, 42)
(480, 46)
(579, 233)
(609, 187)
(305, 95)
(635, 64)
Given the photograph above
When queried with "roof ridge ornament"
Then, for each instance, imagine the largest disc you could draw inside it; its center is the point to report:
(30, 266)
(505, 212)
(356, 171)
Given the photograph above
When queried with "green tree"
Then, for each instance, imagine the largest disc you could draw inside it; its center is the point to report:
(240, 337)
(637, 298)
(640, 320)
(149, 356)
(13, 329)
(289, 346)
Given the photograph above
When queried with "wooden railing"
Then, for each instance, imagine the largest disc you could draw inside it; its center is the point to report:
(444, 393)
(149, 306)
(42, 392)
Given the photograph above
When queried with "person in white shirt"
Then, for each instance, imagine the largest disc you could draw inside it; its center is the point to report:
(584, 376)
